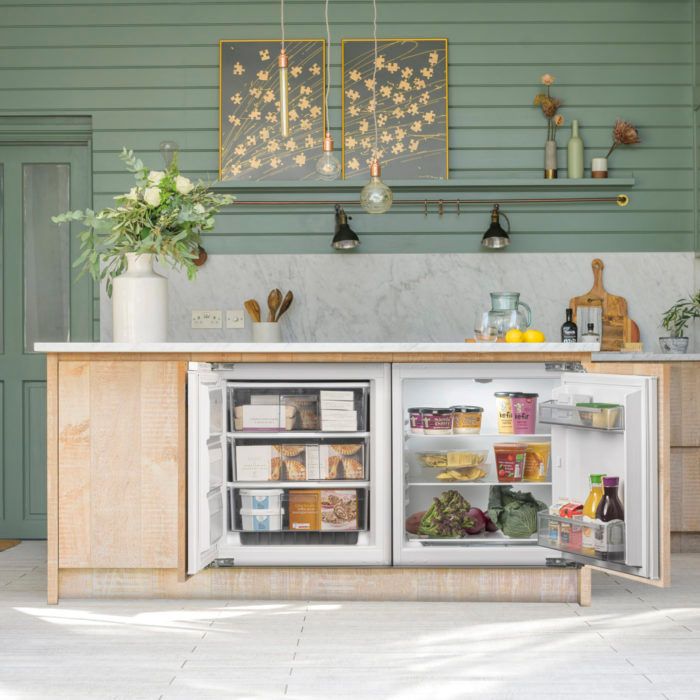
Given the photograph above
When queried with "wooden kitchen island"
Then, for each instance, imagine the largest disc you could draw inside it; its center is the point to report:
(118, 477)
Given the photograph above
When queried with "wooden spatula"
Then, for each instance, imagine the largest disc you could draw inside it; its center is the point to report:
(253, 309)
(288, 299)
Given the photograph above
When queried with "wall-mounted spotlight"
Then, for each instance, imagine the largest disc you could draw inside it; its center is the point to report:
(345, 238)
(496, 238)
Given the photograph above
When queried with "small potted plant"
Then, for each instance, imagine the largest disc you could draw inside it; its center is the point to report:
(162, 217)
(623, 134)
(675, 320)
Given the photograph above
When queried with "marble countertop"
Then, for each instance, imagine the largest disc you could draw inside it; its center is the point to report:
(345, 348)
(644, 357)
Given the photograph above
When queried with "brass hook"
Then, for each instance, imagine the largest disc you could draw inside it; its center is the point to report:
(622, 200)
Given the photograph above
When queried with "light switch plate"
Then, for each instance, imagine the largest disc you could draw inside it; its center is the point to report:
(203, 319)
(235, 318)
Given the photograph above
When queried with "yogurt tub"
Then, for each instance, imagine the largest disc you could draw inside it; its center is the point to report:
(524, 409)
(262, 520)
(437, 421)
(415, 419)
(467, 419)
(510, 461)
(261, 499)
(504, 409)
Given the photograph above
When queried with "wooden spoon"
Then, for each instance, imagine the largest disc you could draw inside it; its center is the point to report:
(288, 299)
(253, 309)
(274, 299)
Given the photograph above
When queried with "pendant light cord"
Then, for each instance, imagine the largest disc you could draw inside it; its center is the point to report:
(282, 21)
(328, 66)
(374, 82)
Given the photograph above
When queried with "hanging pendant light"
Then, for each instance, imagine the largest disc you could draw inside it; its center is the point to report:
(328, 166)
(496, 238)
(376, 197)
(282, 64)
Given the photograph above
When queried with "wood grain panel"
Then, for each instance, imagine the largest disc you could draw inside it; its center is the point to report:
(160, 411)
(340, 583)
(689, 460)
(51, 478)
(74, 459)
(115, 464)
(685, 407)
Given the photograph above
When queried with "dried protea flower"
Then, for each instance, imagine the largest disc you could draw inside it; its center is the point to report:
(547, 79)
(550, 105)
(624, 134)
(558, 120)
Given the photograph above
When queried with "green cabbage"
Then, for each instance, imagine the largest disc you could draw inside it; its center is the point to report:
(515, 512)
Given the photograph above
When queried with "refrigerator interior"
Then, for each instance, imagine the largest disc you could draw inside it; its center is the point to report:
(617, 442)
(416, 485)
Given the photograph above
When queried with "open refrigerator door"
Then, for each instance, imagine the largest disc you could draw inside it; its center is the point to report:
(206, 482)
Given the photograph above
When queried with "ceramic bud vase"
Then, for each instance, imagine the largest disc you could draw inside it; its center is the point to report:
(550, 160)
(574, 163)
(140, 303)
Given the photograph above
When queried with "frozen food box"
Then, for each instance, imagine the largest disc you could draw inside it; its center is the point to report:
(342, 461)
(257, 463)
(339, 510)
(305, 510)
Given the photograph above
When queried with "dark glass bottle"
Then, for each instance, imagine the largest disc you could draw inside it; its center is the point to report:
(610, 506)
(569, 330)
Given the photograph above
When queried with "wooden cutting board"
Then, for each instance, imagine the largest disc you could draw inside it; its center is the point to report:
(617, 327)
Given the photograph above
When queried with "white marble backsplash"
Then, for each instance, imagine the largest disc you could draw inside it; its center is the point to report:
(409, 297)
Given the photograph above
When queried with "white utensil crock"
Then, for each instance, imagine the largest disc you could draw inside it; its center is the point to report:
(267, 332)
(140, 303)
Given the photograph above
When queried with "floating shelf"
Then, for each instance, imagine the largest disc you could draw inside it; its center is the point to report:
(428, 187)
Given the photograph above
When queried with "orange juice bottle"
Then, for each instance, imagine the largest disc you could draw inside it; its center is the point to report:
(589, 510)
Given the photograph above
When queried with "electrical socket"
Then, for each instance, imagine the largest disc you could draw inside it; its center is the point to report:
(235, 318)
(204, 319)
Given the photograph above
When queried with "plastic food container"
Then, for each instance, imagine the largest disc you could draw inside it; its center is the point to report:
(437, 421)
(445, 459)
(537, 461)
(510, 461)
(415, 419)
(466, 419)
(262, 520)
(605, 416)
(524, 409)
(261, 499)
(504, 408)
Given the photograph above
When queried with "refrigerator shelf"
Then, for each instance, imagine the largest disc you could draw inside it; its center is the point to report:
(315, 484)
(608, 420)
(294, 435)
(478, 483)
(485, 539)
(500, 436)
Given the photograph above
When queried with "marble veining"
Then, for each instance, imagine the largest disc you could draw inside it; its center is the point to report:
(416, 298)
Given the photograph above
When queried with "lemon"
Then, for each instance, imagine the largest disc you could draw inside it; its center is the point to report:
(514, 335)
(533, 336)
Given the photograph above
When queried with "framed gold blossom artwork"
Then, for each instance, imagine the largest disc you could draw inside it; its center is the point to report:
(250, 144)
(411, 108)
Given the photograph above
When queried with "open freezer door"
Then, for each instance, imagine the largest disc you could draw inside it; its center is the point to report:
(206, 465)
(620, 442)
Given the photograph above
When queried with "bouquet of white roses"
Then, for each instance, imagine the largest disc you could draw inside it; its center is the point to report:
(164, 214)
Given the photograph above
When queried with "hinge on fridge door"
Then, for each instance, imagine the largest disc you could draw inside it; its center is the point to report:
(226, 563)
(561, 563)
(563, 367)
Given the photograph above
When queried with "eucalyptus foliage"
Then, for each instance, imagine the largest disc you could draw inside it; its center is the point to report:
(164, 214)
(676, 319)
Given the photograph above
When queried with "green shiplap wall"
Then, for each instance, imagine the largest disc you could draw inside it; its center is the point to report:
(146, 71)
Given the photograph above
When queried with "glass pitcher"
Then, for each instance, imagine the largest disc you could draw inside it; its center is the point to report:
(505, 314)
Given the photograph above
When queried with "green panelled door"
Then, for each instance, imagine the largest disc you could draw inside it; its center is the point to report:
(39, 301)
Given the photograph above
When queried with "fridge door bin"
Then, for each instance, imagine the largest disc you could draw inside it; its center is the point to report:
(592, 539)
(594, 417)
(216, 520)
(298, 407)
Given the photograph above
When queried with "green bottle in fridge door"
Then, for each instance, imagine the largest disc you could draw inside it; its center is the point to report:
(574, 163)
